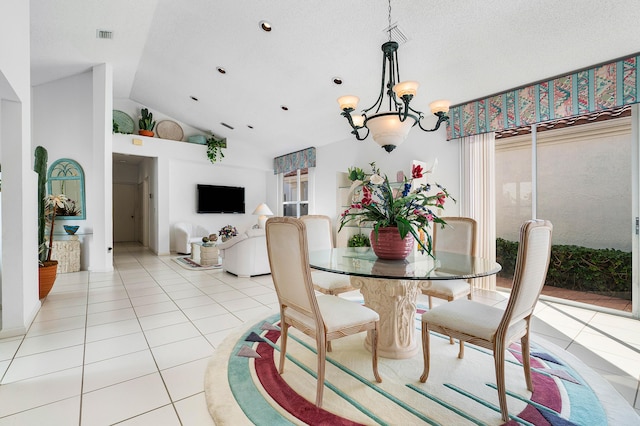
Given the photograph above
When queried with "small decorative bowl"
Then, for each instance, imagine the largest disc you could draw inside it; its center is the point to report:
(71, 229)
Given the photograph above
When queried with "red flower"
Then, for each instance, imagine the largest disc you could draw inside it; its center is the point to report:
(366, 196)
(416, 171)
(441, 197)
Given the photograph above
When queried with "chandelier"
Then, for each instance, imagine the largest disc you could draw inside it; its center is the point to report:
(390, 126)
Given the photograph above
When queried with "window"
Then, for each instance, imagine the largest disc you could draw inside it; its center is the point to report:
(295, 193)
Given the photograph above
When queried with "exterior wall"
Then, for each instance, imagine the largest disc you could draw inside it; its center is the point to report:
(584, 184)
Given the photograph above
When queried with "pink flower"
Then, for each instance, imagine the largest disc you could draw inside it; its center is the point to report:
(441, 199)
(416, 171)
(430, 217)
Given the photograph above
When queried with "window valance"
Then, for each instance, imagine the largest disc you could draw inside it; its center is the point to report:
(594, 89)
(296, 160)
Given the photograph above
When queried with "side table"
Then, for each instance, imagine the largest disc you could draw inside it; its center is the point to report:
(207, 254)
(67, 253)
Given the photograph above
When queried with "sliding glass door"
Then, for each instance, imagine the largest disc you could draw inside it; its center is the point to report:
(582, 184)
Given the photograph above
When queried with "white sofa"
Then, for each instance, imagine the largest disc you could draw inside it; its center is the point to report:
(186, 233)
(246, 255)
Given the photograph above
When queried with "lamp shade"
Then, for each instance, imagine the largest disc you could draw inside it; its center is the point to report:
(440, 106)
(406, 88)
(348, 101)
(263, 210)
(387, 129)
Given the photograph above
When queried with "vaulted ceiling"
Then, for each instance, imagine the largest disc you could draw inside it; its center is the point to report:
(164, 52)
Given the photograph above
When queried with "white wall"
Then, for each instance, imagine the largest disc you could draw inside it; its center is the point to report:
(19, 255)
(63, 124)
(177, 168)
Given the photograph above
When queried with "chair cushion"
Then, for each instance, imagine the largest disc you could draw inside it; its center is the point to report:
(337, 313)
(330, 281)
(447, 289)
(473, 318)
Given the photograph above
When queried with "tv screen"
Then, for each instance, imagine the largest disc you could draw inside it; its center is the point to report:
(220, 199)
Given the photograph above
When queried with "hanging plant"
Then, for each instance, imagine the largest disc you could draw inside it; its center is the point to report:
(214, 148)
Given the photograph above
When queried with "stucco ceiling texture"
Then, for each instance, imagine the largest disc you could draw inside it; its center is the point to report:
(165, 51)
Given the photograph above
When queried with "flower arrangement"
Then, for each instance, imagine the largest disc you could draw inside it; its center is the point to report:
(227, 232)
(407, 208)
(52, 203)
(70, 209)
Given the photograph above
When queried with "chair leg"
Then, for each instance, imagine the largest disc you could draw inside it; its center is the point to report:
(284, 331)
(461, 351)
(374, 353)
(430, 303)
(498, 356)
(526, 361)
(329, 346)
(322, 355)
(426, 355)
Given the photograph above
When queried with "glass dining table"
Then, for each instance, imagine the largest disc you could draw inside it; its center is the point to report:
(391, 287)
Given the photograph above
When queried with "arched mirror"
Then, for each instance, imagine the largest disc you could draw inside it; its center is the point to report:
(66, 177)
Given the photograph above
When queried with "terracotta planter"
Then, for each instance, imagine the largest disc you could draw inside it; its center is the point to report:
(47, 276)
(146, 133)
(389, 245)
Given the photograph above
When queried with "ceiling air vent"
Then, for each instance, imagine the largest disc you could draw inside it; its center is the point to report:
(104, 34)
(227, 126)
(396, 34)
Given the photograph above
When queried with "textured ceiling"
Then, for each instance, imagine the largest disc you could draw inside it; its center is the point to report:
(165, 51)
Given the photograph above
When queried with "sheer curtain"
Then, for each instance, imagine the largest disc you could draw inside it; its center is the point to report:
(478, 195)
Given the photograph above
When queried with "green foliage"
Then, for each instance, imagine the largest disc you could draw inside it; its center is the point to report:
(603, 271)
(40, 167)
(359, 240)
(355, 173)
(146, 121)
(214, 148)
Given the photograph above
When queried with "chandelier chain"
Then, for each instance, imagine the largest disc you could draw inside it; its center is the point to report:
(389, 27)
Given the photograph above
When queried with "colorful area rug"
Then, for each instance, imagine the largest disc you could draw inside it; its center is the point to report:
(242, 385)
(187, 263)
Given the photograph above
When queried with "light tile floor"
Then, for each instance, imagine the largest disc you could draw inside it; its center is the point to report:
(131, 346)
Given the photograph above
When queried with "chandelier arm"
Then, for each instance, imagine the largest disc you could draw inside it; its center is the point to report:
(357, 134)
(442, 117)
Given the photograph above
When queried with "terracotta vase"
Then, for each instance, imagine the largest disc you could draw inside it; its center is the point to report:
(47, 276)
(146, 133)
(389, 245)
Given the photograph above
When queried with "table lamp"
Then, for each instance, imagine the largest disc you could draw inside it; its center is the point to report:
(262, 211)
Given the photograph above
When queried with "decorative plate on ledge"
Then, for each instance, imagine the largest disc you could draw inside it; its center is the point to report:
(124, 121)
(167, 129)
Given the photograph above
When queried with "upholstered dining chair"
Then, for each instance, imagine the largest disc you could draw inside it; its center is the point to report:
(320, 237)
(457, 236)
(495, 328)
(324, 317)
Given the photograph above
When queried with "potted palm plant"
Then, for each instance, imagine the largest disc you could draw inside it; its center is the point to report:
(146, 123)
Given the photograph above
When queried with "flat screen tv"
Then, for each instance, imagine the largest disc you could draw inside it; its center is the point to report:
(220, 199)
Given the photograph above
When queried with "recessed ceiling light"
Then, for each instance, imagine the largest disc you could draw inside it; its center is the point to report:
(194, 98)
(266, 26)
(284, 107)
(221, 70)
(337, 80)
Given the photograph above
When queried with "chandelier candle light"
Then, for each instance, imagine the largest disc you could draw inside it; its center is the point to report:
(390, 127)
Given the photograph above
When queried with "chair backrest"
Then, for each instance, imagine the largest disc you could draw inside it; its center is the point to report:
(289, 261)
(457, 236)
(534, 253)
(319, 234)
